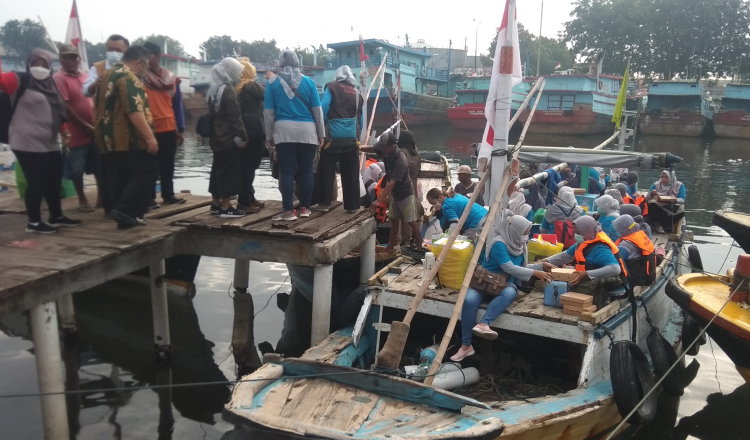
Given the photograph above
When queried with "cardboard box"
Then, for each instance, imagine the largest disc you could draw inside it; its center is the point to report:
(567, 275)
(568, 311)
(579, 191)
(576, 299)
(578, 309)
(666, 199)
(587, 201)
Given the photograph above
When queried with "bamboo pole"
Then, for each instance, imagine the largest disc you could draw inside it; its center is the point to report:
(525, 102)
(374, 107)
(477, 251)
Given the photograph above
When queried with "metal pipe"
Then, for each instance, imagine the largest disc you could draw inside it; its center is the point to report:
(321, 304)
(367, 259)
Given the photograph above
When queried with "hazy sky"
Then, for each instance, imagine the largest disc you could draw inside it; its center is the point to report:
(296, 22)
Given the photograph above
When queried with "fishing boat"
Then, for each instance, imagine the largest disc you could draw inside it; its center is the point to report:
(732, 119)
(467, 113)
(676, 108)
(736, 224)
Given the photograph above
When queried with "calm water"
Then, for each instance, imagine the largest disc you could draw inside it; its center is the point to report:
(115, 347)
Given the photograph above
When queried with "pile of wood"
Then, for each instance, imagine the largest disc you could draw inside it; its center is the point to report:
(577, 303)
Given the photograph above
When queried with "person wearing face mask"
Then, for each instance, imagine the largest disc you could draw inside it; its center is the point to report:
(559, 217)
(34, 127)
(452, 207)
(665, 216)
(507, 256)
(227, 137)
(606, 207)
(116, 45)
(636, 250)
(125, 136)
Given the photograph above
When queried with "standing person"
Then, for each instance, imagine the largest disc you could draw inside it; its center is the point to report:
(294, 125)
(227, 137)
(34, 127)
(82, 156)
(665, 216)
(125, 136)
(116, 46)
(251, 95)
(165, 100)
(399, 190)
(341, 108)
(466, 186)
(408, 146)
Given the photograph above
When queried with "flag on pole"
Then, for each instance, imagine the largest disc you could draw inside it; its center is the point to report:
(499, 64)
(621, 97)
(558, 65)
(75, 37)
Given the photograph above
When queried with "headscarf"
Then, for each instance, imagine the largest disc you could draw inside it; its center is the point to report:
(517, 204)
(247, 76)
(615, 194)
(48, 89)
(632, 178)
(406, 142)
(635, 212)
(625, 225)
(668, 190)
(372, 173)
(565, 207)
(344, 74)
(587, 226)
(226, 72)
(622, 188)
(511, 230)
(163, 80)
(289, 75)
(607, 205)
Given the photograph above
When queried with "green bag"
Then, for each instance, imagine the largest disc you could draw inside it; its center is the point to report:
(67, 189)
(539, 216)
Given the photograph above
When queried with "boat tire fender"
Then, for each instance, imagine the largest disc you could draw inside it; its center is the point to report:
(694, 256)
(631, 380)
(663, 355)
(690, 331)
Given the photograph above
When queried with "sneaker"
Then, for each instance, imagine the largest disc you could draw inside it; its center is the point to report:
(153, 205)
(40, 228)
(462, 354)
(320, 207)
(285, 216)
(304, 212)
(124, 219)
(249, 209)
(64, 222)
(214, 209)
(231, 212)
(141, 221)
(484, 332)
(172, 200)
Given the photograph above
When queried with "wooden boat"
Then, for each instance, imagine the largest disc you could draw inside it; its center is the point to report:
(737, 226)
(676, 108)
(471, 98)
(702, 296)
(732, 120)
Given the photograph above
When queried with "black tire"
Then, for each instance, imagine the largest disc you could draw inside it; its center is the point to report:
(690, 331)
(691, 371)
(694, 257)
(664, 356)
(631, 380)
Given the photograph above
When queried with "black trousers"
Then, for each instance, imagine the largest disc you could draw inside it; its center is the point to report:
(132, 176)
(43, 173)
(226, 174)
(250, 158)
(167, 150)
(658, 215)
(326, 176)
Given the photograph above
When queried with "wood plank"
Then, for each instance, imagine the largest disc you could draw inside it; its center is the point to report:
(186, 217)
(191, 202)
(272, 208)
(276, 397)
(309, 403)
(348, 409)
(244, 393)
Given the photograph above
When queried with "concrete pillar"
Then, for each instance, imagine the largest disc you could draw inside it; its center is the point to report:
(165, 427)
(49, 371)
(160, 311)
(367, 259)
(243, 340)
(67, 314)
(321, 304)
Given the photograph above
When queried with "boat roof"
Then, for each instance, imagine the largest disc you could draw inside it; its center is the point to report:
(378, 42)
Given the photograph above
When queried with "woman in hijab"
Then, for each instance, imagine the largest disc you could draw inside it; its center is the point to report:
(38, 119)
(665, 216)
(250, 95)
(635, 212)
(632, 183)
(615, 194)
(228, 136)
(372, 175)
(295, 129)
(518, 206)
(633, 242)
(562, 214)
(507, 255)
(607, 207)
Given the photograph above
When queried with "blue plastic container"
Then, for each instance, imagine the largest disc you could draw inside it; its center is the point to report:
(552, 292)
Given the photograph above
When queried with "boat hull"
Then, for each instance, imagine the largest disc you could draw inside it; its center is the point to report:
(732, 124)
(578, 121)
(468, 117)
(737, 225)
(680, 123)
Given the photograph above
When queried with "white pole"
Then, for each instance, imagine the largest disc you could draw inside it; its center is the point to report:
(367, 259)
(160, 311)
(49, 372)
(241, 275)
(321, 304)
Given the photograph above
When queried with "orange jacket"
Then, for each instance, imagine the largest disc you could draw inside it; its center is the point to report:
(602, 238)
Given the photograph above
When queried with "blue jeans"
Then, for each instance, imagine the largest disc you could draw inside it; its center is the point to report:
(494, 309)
(296, 158)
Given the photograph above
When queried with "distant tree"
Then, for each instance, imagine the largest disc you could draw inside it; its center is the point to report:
(19, 38)
(174, 47)
(218, 47)
(259, 51)
(95, 52)
(553, 51)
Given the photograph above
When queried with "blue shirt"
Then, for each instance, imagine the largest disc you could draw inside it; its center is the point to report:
(680, 193)
(633, 190)
(292, 109)
(599, 256)
(453, 208)
(607, 227)
(498, 256)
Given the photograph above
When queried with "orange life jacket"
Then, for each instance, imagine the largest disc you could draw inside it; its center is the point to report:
(601, 239)
(370, 161)
(642, 270)
(641, 240)
(379, 187)
(640, 201)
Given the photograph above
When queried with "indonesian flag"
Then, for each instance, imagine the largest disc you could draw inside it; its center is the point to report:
(506, 65)
(75, 37)
(558, 65)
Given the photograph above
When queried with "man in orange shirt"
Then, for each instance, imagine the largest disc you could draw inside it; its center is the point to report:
(165, 99)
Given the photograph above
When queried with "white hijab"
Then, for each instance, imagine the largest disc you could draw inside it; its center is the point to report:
(511, 230)
(344, 74)
(608, 205)
(289, 76)
(517, 204)
(226, 72)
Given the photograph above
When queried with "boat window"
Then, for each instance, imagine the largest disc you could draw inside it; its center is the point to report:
(478, 98)
(560, 102)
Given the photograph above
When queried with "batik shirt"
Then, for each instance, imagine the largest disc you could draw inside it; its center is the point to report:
(120, 93)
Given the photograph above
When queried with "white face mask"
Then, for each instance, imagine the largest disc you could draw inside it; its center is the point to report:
(40, 73)
(114, 57)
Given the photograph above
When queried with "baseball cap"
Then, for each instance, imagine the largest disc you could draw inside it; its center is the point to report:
(383, 141)
(68, 49)
(464, 169)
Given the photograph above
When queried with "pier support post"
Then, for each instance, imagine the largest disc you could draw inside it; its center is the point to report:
(367, 260)
(67, 315)
(46, 338)
(243, 336)
(160, 311)
(321, 304)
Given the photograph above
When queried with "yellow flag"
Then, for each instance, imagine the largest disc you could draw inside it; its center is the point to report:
(620, 104)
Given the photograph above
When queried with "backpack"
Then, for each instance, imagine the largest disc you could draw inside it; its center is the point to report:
(8, 106)
(564, 230)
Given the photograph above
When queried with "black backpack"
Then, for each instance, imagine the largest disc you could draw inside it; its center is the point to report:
(8, 106)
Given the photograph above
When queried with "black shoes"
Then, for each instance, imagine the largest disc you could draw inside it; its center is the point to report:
(64, 222)
(172, 200)
(125, 221)
(231, 212)
(40, 228)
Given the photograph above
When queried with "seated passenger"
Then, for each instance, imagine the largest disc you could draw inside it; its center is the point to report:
(637, 250)
(559, 217)
(507, 255)
(518, 206)
(632, 183)
(635, 212)
(665, 216)
(607, 208)
(636, 200)
(452, 206)
(615, 194)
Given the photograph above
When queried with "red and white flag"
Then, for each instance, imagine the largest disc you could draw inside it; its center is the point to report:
(499, 66)
(75, 37)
